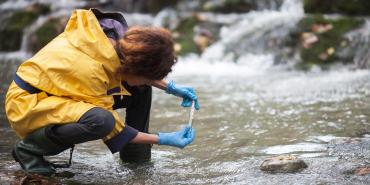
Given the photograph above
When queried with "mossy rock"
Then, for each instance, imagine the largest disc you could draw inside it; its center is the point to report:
(186, 34)
(45, 33)
(328, 40)
(40, 9)
(11, 32)
(229, 6)
(154, 6)
(348, 7)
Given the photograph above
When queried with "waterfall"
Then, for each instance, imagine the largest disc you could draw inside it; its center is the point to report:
(255, 32)
(360, 45)
(260, 32)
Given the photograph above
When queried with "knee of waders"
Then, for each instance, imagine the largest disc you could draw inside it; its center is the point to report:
(100, 121)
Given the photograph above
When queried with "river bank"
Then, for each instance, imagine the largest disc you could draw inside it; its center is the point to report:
(244, 119)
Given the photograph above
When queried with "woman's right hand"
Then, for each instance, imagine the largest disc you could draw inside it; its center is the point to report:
(187, 93)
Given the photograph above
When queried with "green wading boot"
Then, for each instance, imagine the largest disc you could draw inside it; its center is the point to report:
(29, 153)
(136, 153)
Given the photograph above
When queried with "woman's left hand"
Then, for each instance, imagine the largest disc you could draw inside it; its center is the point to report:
(187, 93)
(177, 139)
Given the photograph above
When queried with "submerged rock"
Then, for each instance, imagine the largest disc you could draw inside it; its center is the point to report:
(362, 171)
(283, 164)
(350, 148)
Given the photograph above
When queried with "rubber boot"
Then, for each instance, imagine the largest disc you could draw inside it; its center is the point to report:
(29, 152)
(136, 153)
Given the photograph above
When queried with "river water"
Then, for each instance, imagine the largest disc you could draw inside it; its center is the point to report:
(251, 109)
(248, 112)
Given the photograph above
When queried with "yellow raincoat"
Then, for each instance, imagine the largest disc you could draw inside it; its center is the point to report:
(75, 69)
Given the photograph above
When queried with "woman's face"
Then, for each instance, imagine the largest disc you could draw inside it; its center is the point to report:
(135, 80)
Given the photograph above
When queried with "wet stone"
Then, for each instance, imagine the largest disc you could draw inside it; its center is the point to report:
(22, 178)
(363, 171)
(65, 174)
(350, 148)
(283, 164)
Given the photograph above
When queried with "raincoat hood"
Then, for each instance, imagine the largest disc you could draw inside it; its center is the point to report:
(84, 32)
(113, 24)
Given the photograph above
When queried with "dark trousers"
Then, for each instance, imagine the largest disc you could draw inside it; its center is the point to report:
(137, 116)
(137, 106)
(97, 122)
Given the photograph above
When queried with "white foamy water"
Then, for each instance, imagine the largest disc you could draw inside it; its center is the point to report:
(259, 75)
(247, 65)
(254, 26)
(299, 147)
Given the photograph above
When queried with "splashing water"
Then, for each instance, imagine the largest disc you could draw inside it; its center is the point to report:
(255, 27)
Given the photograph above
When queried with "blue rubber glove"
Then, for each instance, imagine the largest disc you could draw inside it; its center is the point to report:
(177, 139)
(187, 93)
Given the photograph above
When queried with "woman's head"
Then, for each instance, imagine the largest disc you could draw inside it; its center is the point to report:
(148, 53)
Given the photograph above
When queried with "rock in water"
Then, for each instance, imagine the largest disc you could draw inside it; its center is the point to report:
(283, 164)
(362, 171)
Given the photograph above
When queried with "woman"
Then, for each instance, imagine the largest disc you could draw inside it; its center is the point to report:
(66, 94)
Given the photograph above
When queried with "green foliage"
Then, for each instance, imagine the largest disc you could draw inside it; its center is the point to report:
(329, 39)
(349, 7)
(186, 34)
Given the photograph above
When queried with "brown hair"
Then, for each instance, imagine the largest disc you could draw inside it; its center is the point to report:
(148, 52)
